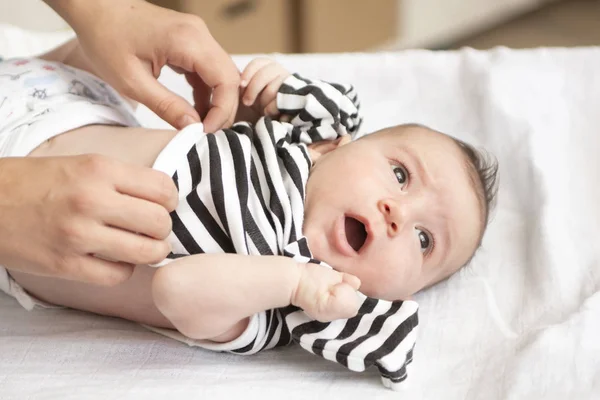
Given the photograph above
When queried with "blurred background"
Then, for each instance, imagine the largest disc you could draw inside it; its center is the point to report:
(306, 26)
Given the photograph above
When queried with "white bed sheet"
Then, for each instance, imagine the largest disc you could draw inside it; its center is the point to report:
(522, 322)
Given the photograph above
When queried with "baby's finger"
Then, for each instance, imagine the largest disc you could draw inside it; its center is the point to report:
(270, 92)
(101, 272)
(252, 68)
(351, 280)
(346, 301)
(271, 109)
(285, 118)
(259, 81)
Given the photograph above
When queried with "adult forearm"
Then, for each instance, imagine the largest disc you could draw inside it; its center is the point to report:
(206, 295)
(78, 12)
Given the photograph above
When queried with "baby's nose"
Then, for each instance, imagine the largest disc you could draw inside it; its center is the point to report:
(393, 216)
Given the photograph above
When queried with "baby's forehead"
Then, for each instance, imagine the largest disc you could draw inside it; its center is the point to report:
(440, 154)
(420, 138)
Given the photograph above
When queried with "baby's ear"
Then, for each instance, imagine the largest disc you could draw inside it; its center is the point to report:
(318, 149)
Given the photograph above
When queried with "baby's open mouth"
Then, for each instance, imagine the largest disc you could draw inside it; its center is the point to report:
(356, 233)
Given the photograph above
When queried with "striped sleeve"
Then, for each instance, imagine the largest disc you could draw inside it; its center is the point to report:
(382, 334)
(318, 110)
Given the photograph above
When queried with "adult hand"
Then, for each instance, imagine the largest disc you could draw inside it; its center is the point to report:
(56, 213)
(129, 41)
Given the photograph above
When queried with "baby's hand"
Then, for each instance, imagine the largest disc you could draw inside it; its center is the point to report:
(260, 83)
(325, 294)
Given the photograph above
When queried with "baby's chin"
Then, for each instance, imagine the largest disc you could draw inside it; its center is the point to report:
(377, 293)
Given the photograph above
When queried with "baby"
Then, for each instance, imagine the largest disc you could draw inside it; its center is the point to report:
(265, 207)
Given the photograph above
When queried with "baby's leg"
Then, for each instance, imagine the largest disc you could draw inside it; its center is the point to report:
(131, 300)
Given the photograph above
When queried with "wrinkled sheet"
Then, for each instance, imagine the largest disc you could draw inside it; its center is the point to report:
(522, 321)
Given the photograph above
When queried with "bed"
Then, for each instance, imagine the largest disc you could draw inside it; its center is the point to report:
(520, 322)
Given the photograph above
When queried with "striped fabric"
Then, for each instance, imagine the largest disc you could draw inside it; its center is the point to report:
(242, 191)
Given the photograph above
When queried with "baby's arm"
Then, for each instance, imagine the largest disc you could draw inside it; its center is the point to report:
(208, 296)
(212, 296)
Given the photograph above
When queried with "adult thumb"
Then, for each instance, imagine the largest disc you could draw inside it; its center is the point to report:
(174, 109)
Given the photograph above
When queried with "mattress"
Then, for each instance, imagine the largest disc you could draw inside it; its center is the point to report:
(520, 322)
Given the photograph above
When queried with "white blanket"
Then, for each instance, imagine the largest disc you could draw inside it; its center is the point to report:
(521, 322)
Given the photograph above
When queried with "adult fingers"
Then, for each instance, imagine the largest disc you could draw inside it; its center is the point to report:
(98, 271)
(143, 87)
(145, 183)
(201, 92)
(217, 70)
(137, 215)
(223, 108)
(116, 244)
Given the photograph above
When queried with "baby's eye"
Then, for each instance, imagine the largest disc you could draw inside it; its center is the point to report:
(400, 173)
(424, 239)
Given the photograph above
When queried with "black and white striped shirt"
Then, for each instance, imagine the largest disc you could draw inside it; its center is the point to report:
(241, 190)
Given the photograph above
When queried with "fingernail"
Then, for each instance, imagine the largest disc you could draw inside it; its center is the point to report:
(243, 84)
(247, 102)
(186, 120)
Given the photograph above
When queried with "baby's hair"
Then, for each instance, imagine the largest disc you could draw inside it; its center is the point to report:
(483, 172)
(484, 175)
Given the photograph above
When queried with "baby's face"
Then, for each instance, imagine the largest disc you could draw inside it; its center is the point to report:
(395, 208)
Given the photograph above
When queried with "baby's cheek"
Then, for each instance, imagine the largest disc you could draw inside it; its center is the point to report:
(396, 277)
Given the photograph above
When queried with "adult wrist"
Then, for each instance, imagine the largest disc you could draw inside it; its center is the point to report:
(79, 13)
